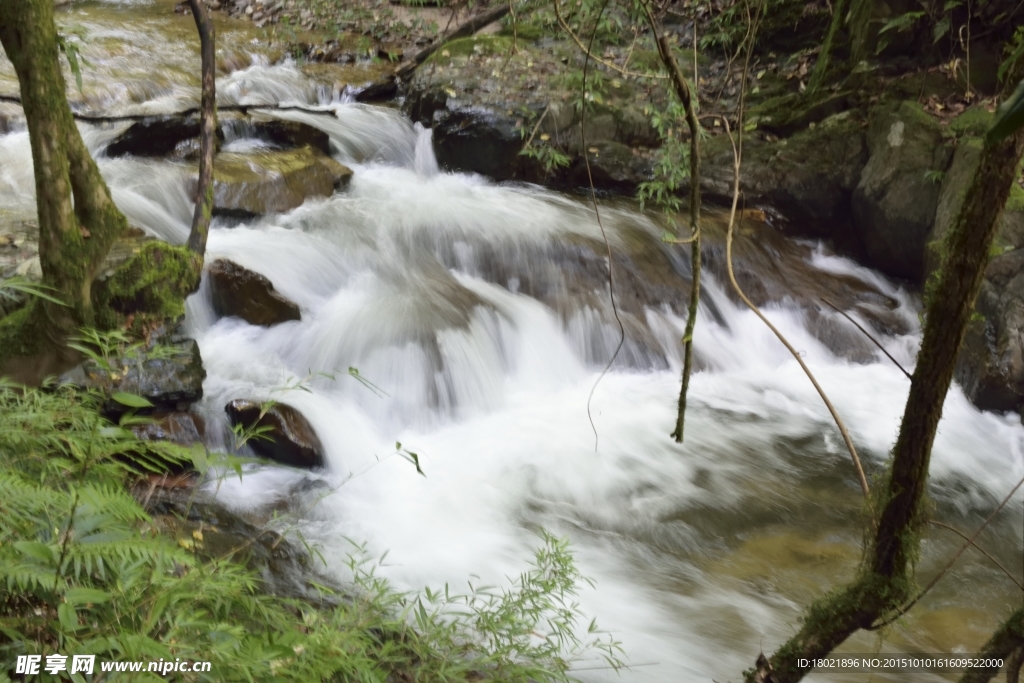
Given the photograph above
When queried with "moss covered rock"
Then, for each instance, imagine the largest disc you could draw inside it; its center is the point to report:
(272, 182)
(895, 201)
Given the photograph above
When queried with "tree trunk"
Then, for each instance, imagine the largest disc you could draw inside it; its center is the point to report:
(884, 585)
(1006, 643)
(78, 221)
(207, 142)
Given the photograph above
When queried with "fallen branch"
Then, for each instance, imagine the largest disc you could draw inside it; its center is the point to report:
(243, 108)
(467, 28)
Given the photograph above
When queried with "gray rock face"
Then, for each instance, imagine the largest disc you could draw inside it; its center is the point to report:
(154, 136)
(477, 140)
(895, 201)
(238, 291)
(172, 379)
(290, 440)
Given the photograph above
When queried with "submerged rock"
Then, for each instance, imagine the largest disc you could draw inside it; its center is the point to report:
(169, 376)
(238, 291)
(248, 185)
(290, 439)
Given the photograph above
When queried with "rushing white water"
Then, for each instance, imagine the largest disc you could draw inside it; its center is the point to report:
(452, 295)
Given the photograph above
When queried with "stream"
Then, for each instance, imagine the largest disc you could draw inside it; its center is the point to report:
(482, 320)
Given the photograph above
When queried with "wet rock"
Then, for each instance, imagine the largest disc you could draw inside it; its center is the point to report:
(895, 201)
(182, 428)
(613, 166)
(809, 178)
(990, 368)
(290, 440)
(292, 135)
(155, 136)
(169, 376)
(383, 89)
(477, 140)
(273, 182)
(214, 531)
(240, 292)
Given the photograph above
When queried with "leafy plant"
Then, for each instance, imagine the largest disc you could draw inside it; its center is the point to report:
(86, 570)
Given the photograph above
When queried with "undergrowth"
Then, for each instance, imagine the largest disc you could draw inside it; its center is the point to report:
(85, 570)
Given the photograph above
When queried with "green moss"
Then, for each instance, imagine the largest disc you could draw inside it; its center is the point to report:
(1015, 202)
(913, 112)
(972, 121)
(529, 32)
(486, 45)
(148, 288)
(17, 335)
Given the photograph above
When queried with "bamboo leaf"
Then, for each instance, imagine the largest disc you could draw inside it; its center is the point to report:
(131, 400)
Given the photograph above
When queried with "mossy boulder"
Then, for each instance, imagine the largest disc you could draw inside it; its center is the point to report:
(895, 201)
(246, 185)
(144, 284)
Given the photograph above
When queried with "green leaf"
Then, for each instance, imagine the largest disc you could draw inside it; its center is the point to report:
(1009, 117)
(37, 551)
(24, 286)
(68, 617)
(131, 400)
(199, 459)
(83, 596)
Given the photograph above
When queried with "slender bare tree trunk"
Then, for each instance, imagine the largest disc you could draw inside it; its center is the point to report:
(207, 141)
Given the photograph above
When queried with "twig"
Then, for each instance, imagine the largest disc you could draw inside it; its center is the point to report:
(597, 214)
(868, 335)
(952, 561)
(981, 550)
(737, 151)
(590, 55)
(537, 126)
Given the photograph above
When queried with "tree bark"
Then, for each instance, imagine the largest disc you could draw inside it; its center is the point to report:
(78, 221)
(884, 585)
(1006, 643)
(207, 140)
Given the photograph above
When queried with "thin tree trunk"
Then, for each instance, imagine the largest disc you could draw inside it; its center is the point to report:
(207, 141)
(683, 93)
(885, 583)
(74, 236)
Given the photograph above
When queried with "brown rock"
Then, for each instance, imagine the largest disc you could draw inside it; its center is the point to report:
(290, 439)
(240, 292)
(292, 134)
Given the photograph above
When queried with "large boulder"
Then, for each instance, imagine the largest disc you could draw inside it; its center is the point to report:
(170, 376)
(247, 185)
(478, 140)
(238, 291)
(289, 439)
(895, 201)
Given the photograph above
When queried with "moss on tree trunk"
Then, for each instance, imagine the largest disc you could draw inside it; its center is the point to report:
(78, 221)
